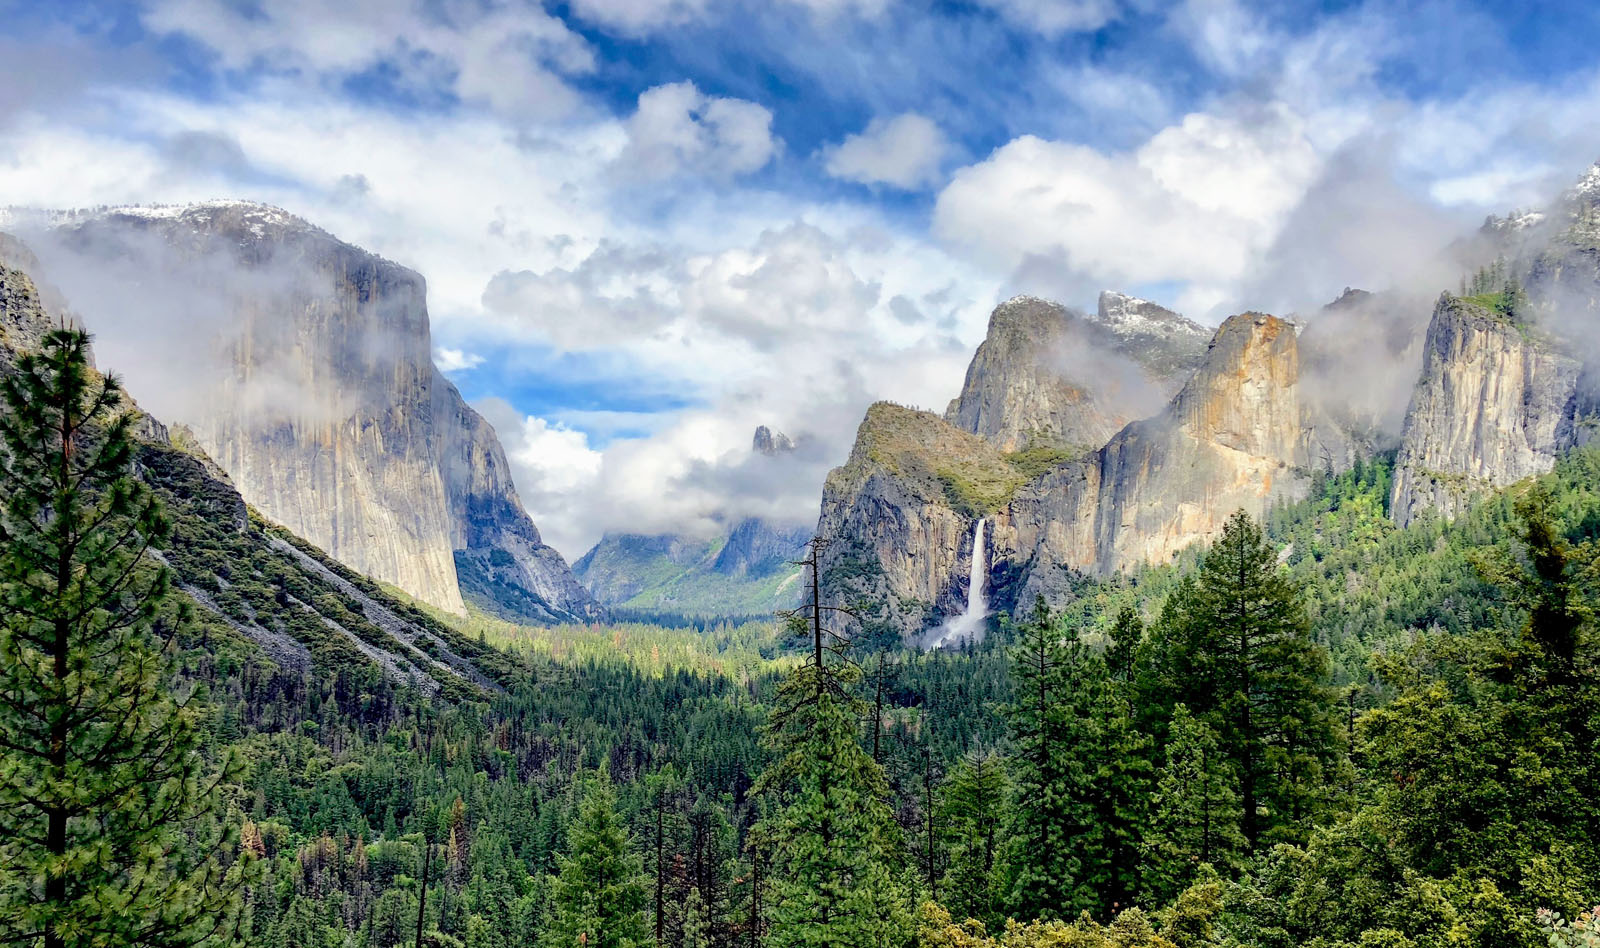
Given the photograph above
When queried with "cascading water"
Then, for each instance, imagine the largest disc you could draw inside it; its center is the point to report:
(968, 626)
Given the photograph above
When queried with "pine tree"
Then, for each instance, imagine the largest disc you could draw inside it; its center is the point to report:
(598, 898)
(836, 852)
(1240, 653)
(697, 926)
(973, 807)
(1127, 634)
(1051, 849)
(102, 799)
(835, 876)
(1197, 815)
(1121, 787)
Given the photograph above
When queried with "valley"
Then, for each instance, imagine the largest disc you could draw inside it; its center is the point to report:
(1160, 635)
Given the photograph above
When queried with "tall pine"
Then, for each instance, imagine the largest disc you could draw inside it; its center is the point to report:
(102, 793)
(1236, 649)
(972, 808)
(837, 857)
(598, 898)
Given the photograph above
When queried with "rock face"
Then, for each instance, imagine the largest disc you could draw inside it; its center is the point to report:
(748, 569)
(322, 616)
(326, 409)
(1017, 392)
(770, 444)
(1236, 436)
(1046, 376)
(1168, 346)
(900, 514)
(1495, 403)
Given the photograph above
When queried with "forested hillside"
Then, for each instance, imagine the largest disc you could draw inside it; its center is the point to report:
(1327, 731)
(1322, 729)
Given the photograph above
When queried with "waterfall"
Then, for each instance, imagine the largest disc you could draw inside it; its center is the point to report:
(967, 626)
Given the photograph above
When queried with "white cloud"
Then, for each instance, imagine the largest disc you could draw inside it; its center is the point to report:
(456, 360)
(639, 16)
(679, 129)
(558, 458)
(1054, 17)
(904, 151)
(514, 59)
(787, 330)
(1195, 203)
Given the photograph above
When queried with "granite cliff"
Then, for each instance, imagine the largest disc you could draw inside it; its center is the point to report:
(1237, 435)
(1048, 376)
(1510, 374)
(248, 577)
(900, 514)
(1496, 402)
(316, 392)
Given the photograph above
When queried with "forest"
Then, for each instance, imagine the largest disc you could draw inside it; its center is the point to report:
(1320, 730)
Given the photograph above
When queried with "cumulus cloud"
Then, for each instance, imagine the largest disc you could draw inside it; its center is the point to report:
(905, 151)
(640, 17)
(646, 243)
(455, 360)
(1195, 203)
(783, 331)
(677, 128)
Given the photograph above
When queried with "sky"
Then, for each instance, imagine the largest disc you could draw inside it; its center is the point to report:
(648, 226)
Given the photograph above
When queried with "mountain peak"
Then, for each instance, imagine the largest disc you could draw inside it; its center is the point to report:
(1587, 186)
(1129, 315)
(770, 443)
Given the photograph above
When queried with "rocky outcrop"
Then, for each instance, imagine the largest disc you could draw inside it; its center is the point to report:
(1496, 402)
(326, 409)
(1046, 376)
(1166, 345)
(23, 319)
(1235, 436)
(1018, 392)
(502, 564)
(898, 518)
(255, 579)
(768, 443)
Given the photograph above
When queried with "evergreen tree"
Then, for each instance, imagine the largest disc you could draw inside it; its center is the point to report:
(1042, 863)
(1058, 860)
(104, 812)
(973, 806)
(1121, 787)
(1196, 820)
(836, 858)
(836, 851)
(697, 927)
(1238, 651)
(1127, 634)
(598, 898)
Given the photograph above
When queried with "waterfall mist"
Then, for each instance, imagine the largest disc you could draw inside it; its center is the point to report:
(968, 626)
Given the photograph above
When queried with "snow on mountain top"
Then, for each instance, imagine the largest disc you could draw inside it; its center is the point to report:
(1589, 184)
(1130, 315)
(258, 218)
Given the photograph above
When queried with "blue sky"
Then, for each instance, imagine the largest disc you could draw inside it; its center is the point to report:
(649, 225)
